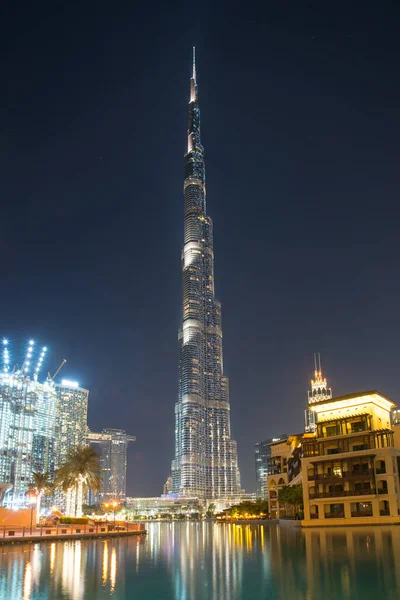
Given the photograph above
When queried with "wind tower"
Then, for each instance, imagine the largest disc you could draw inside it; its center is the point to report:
(318, 393)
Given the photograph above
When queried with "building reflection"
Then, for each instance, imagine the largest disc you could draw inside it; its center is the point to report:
(207, 561)
(70, 569)
(72, 582)
(351, 559)
(287, 561)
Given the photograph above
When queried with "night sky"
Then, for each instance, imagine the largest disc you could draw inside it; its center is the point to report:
(300, 123)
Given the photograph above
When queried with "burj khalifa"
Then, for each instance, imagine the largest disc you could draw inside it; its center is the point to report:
(205, 463)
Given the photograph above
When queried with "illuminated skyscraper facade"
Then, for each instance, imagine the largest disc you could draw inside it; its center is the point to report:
(27, 426)
(262, 451)
(71, 422)
(262, 454)
(205, 463)
(113, 445)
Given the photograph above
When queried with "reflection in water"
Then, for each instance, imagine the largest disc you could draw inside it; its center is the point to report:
(113, 570)
(72, 582)
(206, 561)
(27, 581)
(52, 557)
(105, 563)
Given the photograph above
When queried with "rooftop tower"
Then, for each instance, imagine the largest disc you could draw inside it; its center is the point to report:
(318, 393)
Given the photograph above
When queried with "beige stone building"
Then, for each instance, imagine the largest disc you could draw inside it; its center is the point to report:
(282, 468)
(350, 464)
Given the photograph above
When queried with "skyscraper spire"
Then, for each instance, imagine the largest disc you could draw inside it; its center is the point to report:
(193, 84)
(205, 463)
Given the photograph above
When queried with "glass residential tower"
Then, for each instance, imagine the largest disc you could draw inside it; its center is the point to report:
(205, 463)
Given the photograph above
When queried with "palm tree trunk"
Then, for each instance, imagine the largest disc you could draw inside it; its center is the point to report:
(68, 498)
(38, 499)
(73, 501)
(79, 499)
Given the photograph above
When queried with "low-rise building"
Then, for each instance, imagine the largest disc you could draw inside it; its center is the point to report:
(351, 462)
(284, 465)
(163, 506)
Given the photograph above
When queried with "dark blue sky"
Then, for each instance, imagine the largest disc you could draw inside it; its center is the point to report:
(300, 123)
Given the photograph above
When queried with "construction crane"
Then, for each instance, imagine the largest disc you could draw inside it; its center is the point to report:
(64, 360)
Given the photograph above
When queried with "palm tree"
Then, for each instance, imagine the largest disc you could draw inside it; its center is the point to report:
(80, 471)
(40, 485)
(66, 482)
(210, 511)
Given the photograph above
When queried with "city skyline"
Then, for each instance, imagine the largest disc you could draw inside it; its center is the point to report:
(205, 463)
(300, 121)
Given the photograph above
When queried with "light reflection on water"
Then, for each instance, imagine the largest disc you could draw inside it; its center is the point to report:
(205, 561)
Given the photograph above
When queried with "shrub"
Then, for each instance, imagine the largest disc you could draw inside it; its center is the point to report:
(74, 520)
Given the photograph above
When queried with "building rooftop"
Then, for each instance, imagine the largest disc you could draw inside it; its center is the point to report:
(355, 395)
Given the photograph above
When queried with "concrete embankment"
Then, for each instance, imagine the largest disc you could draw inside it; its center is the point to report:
(251, 521)
(51, 535)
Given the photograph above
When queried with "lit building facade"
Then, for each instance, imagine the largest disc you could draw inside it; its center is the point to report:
(71, 422)
(167, 487)
(27, 433)
(113, 445)
(283, 468)
(205, 463)
(351, 462)
(262, 453)
(165, 505)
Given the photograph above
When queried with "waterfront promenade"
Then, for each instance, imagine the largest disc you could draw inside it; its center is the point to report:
(59, 532)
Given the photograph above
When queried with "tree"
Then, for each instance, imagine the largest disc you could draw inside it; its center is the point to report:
(247, 509)
(297, 497)
(80, 471)
(210, 511)
(40, 485)
(291, 499)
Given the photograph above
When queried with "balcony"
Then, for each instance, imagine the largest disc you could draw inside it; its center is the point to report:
(365, 473)
(381, 471)
(345, 475)
(334, 515)
(384, 513)
(362, 513)
(354, 442)
(342, 493)
(382, 491)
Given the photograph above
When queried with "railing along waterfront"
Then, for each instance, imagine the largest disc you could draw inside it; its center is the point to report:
(7, 532)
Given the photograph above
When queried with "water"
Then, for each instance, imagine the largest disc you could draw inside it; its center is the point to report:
(206, 561)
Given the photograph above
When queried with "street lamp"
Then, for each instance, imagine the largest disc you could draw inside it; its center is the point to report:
(114, 504)
(32, 502)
